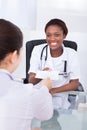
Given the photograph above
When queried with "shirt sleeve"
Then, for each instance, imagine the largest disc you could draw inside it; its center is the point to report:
(42, 103)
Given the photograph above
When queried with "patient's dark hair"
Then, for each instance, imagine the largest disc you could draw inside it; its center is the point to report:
(11, 38)
(57, 22)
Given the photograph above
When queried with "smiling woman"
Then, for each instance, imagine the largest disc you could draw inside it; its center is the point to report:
(56, 57)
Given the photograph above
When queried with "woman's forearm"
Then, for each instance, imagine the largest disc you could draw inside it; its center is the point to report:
(72, 85)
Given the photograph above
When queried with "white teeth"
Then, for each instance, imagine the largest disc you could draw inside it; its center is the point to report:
(53, 43)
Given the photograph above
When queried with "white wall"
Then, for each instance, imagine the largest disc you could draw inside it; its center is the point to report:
(73, 12)
(21, 12)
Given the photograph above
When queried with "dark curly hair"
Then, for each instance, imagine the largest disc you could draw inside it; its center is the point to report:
(59, 23)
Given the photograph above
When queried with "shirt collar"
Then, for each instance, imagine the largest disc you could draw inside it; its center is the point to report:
(64, 55)
(7, 73)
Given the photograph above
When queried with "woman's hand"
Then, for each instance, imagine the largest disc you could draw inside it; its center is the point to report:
(47, 82)
(52, 91)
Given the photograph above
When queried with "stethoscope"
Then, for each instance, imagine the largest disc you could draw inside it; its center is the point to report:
(64, 73)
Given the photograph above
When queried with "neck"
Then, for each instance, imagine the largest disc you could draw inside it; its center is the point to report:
(57, 52)
(5, 66)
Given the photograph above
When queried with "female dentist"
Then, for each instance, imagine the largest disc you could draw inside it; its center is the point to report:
(19, 103)
(55, 57)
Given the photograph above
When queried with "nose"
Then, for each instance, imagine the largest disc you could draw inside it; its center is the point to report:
(52, 38)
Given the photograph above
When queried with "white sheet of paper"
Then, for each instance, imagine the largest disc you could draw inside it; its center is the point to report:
(45, 74)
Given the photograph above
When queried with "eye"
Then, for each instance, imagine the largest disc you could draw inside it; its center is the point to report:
(57, 34)
(48, 35)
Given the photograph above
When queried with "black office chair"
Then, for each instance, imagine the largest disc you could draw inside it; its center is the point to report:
(29, 47)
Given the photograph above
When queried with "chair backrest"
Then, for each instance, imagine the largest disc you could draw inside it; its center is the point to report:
(30, 45)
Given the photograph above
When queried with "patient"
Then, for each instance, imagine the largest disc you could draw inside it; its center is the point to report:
(19, 103)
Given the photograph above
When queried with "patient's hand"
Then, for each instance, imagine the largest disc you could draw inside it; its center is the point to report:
(47, 82)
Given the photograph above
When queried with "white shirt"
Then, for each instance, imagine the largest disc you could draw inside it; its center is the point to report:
(73, 70)
(20, 103)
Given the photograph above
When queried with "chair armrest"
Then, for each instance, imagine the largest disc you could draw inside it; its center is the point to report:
(25, 80)
(80, 97)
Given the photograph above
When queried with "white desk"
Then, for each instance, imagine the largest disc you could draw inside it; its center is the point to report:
(67, 119)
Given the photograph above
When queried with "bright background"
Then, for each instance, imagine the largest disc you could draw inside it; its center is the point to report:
(32, 15)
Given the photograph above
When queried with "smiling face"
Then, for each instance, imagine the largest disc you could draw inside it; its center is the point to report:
(55, 36)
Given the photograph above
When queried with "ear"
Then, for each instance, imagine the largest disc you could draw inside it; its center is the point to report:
(13, 57)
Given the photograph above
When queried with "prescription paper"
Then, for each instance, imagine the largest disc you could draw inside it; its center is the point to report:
(45, 74)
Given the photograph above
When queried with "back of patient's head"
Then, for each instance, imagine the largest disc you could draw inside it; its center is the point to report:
(11, 38)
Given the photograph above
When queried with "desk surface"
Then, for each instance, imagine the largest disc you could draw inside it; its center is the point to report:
(67, 119)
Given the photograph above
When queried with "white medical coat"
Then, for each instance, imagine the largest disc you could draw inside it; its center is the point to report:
(73, 70)
(20, 103)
